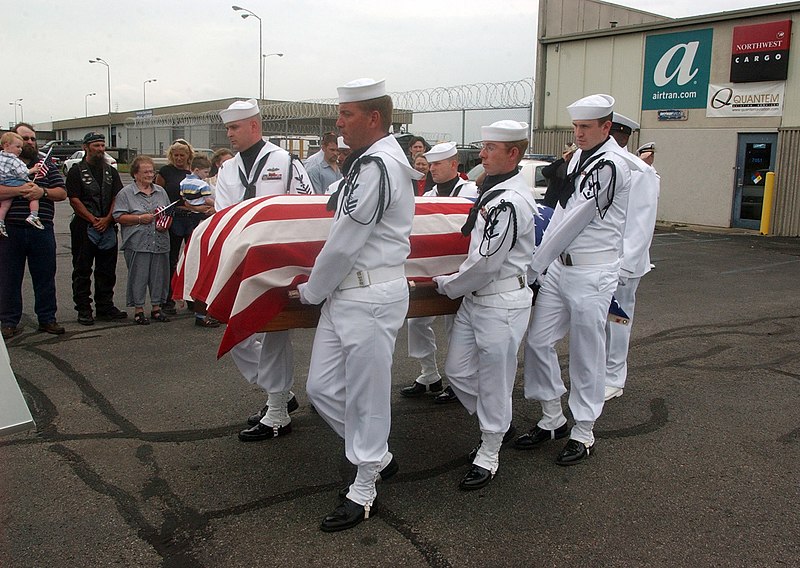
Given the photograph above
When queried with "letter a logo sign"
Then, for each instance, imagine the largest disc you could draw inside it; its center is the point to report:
(677, 70)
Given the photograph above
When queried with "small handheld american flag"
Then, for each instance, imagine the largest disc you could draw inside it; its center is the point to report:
(164, 215)
(45, 162)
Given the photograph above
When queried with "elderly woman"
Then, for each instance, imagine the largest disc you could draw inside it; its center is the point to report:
(169, 177)
(145, 243)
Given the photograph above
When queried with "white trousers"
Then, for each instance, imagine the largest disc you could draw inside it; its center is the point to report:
(422, 345)
(618, 336)
(573, 299)
(482, 363)
(350, 380)
(266, 360)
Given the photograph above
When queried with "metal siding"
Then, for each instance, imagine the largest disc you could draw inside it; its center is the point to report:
(786, 208)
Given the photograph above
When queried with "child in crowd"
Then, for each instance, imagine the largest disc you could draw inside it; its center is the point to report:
(197, 196)
(14, 173)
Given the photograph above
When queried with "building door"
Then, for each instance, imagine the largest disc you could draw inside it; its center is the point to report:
(755, 157)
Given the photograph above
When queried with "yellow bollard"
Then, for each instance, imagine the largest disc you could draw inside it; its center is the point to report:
(766, 207)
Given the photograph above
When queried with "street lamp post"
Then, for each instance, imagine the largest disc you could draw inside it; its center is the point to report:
(86, 102)
(248, 13)
(264, 71)
(15, 103)
(144, 92)
(108, 71)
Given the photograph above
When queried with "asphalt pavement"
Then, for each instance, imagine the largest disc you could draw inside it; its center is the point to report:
(135, 460)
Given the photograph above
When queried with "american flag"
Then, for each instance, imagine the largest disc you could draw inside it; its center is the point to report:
(163, 216)
(242, 261)
(45, 162)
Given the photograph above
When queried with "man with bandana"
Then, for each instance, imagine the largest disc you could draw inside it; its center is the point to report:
(29, 245)
(581, 252)
(92, 185)
(359, 274)
(493, 316)
(261, 168)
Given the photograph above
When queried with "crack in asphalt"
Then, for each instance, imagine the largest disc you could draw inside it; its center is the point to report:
(183, 527)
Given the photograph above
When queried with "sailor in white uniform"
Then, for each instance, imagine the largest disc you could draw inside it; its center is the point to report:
(582, 247)
(443, 160)
(261, 168)
(360, 276)
(639, 225)
(491, 321)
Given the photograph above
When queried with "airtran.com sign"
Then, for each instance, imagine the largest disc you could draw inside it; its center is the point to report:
(676, 70)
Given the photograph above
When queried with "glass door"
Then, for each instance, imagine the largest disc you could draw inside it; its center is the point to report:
(755, 157)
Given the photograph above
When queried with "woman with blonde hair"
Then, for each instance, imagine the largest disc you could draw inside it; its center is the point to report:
(179, 158)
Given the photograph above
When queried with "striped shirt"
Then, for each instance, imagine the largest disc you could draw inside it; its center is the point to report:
(20, 207)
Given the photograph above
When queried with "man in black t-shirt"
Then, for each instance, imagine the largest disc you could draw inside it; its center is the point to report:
(92, 186)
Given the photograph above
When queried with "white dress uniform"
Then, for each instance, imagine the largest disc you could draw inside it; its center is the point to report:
(582, 247)
(639, 226)
(265, 359)
(359, 273)
(491, 322)
(421, 337)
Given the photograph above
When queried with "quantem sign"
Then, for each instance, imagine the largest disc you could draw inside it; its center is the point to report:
(760, 52)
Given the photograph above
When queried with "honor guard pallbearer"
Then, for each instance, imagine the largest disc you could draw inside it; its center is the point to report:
(581, 252)
(493, 316)
(261, 168)
(359, 275)
(639, 225)
(443, 159)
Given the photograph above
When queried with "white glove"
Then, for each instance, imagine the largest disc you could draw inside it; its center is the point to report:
(623, 278)
(301, 289)
(440, 285)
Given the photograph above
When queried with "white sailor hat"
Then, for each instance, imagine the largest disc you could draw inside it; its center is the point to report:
(441, 152)
(340, 143)
(505, 131)
(361, 90)
(591, 107)
(624, 124)
(239, 110)
(647, 147)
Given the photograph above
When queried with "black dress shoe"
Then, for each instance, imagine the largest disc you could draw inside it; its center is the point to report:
(263, 432)
(573, 453)
(347, 515)
(476, 478)
(169, 308)
(85, 317)
(507, 437)
(446, 396)
(112, 314)
(418, 389)
(254, 419)
(536, 436)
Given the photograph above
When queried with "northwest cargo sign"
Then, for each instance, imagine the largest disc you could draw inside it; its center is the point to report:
(677, 67)
(760, 52)
(737, 100)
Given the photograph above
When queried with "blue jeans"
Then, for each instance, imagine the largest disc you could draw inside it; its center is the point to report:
(38, 248)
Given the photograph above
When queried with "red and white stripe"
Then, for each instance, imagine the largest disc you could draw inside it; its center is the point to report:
(242, 261)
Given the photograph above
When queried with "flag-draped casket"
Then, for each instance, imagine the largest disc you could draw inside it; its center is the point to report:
(242, 261)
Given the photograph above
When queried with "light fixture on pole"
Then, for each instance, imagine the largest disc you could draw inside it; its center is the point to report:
(264, 71)
(108, 70)
(144, 92)
(86, 102)
(15, 103)
(248, 13)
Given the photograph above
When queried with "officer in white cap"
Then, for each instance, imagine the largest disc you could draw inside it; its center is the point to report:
(443, 160)
(582, 248)
(261, 168)
(647, 152)
(359, 274)
(491, 321)
(639, 225)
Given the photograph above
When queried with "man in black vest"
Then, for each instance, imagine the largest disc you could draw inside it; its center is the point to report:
(92, 186)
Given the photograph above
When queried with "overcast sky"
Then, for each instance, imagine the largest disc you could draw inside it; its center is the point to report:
(201, 49)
